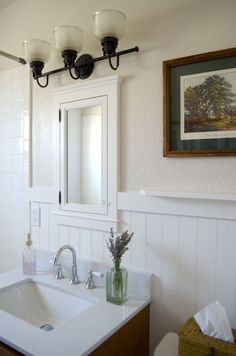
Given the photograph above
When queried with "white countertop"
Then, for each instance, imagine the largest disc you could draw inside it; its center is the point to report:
(80, 335)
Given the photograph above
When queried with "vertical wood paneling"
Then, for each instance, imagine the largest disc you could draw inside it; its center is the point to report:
(225, 266)
(206, 262)
(85, 244)
(74, 238)
(138, 242)
(63, 235)
(154, 243)
(125, 218)
(188, 236)
(191, 258)
(154, 258)
(53, 242)
(97, 245)
(170, 276)
(106, 253)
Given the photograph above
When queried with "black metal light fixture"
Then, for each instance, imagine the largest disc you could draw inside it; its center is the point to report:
(36, 53)
(109, 26)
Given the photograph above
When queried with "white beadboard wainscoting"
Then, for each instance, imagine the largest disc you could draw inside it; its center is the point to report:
(188, 244)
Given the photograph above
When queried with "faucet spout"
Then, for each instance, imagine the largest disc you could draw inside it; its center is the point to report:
(74, 279)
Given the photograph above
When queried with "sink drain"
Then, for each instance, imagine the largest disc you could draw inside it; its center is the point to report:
(47, 327)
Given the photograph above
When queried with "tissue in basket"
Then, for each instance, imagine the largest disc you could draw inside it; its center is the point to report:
(192, 342)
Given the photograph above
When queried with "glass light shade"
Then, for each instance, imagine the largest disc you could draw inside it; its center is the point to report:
(109, 23)
(68, 37)
(36, 50)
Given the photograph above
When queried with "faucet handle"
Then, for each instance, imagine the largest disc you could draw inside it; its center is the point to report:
(90, 282)
(97, 274)
(58, 274)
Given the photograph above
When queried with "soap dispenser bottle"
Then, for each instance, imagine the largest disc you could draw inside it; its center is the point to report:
(29, 257)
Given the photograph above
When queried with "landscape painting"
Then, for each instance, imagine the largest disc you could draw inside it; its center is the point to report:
(208, 105)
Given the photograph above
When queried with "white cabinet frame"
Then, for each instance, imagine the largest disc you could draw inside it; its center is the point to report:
(105, 91)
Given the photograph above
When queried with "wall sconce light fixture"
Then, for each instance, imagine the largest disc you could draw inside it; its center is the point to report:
(109, 26)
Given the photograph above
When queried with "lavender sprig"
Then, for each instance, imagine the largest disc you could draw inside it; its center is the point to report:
(118, 245)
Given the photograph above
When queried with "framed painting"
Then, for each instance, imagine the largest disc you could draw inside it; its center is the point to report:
(200, 105)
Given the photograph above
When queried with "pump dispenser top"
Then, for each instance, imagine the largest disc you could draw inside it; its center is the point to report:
(28, 242)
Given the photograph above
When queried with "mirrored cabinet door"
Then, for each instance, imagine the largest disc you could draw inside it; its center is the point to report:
(83, 150)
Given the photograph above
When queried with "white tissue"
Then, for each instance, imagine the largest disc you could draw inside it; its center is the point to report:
(213, 321)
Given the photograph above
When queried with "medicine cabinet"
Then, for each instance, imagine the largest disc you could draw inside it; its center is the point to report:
(86, 151)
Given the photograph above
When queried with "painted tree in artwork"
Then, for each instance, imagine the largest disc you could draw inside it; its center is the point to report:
(211, 99)
(194, 102)
(217, 95)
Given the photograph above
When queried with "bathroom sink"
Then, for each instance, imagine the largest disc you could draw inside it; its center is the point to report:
(41, 305)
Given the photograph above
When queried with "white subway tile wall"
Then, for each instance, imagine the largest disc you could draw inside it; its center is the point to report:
(14, 111)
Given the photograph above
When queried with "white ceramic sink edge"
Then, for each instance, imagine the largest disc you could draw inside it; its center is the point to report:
(41, 304)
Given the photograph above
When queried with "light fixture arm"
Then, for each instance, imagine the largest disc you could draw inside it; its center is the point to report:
(73, 76)
(84, 65)
(117, 54)
(42, 85)
(12, 57)
(117, 63)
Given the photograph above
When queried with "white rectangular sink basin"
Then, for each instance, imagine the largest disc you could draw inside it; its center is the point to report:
(41, 305)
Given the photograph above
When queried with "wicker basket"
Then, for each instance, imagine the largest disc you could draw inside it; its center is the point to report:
(192, 342)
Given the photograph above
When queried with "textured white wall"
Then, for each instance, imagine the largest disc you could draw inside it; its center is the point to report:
(163, 30)
(201, 27)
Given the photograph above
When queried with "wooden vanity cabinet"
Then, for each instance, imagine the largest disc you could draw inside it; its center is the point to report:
(7, 351)
(132, 339)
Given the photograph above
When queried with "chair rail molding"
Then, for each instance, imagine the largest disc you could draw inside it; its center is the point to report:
(198, 205)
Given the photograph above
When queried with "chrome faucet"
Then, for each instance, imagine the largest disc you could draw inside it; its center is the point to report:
(74, 279)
